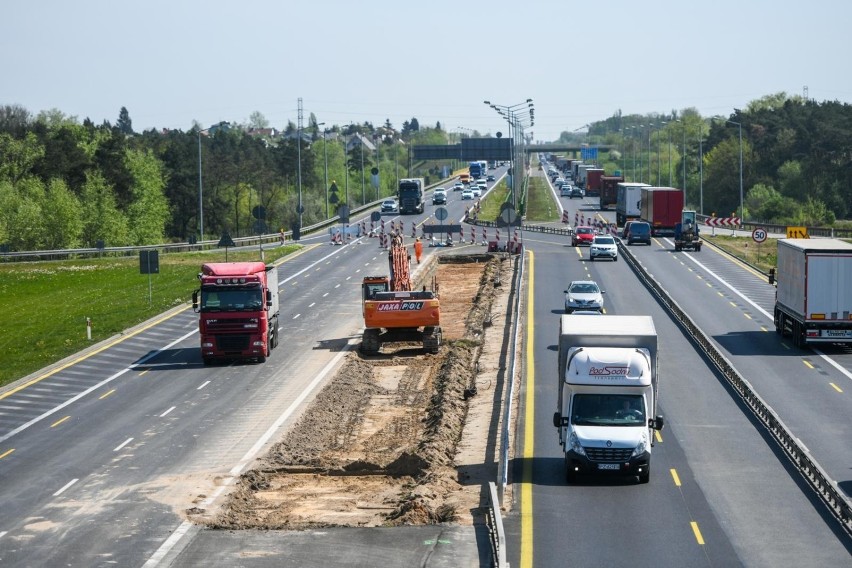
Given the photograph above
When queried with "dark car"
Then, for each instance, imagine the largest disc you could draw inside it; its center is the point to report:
(490, 177)
(576, 192)
(639, 232)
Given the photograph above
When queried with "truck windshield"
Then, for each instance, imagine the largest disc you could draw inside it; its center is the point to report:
(608, 410)
(231, 300)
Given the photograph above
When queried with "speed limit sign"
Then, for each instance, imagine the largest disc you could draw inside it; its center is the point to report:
(759, 235)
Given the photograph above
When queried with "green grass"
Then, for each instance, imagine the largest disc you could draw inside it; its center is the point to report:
(541, 206)
(490, 205)
(45, 304)
(763, 256)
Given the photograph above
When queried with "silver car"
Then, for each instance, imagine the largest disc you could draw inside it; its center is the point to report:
(584, 295)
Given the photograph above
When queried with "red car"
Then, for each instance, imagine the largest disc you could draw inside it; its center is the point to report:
(582, 236)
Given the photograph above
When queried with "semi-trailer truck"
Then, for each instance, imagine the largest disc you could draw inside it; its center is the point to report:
(628, 201)
(608, 190)
(237, 305)
(593, 181)
(411, 195)
(813, 301)
(606, 408)
(661, 208)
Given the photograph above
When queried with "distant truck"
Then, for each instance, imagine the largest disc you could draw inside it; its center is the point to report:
(575, 169)
(411, 195)
(661, 208)
(686, 232)
(237, 305)
(609, 191)
(607, 396)
(628, 201)
(593, 181)
(813, 302)
(475, 169)
(580, 178)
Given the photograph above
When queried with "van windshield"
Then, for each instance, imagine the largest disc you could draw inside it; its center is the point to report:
(608, 410)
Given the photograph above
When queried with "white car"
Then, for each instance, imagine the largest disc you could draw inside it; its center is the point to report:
(603, 246)
(467, 194)
(459, 186)
(389, 206)
(483, 185)
(584, 295)
(439, 197)
(476, 191)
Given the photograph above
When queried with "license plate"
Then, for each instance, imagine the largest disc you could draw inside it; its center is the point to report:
(837, 333)
(609, 466)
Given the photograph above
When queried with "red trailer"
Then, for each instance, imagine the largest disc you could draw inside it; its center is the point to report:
(661, 208)
(609, 190)
(593, 181)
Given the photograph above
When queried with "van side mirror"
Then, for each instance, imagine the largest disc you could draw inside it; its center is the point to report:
(195, 300)
(656, 423)
(269, 298)
(557, 419)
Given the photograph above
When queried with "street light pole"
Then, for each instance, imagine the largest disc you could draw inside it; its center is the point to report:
(299, 162)
(200, 191)
(740, 126)
(325, 152)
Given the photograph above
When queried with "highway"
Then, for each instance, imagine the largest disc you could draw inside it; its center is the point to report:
(101, 457)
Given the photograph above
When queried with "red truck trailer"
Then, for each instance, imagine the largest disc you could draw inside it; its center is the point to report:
(593, 181)
(661, 208)
(237, 305)
(609, 190)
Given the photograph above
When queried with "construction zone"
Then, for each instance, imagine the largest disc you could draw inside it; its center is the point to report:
(400, 435)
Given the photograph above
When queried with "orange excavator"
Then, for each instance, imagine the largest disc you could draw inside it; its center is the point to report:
(395, 312)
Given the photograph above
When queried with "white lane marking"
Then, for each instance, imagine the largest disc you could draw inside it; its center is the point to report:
(124, 443)
(296, 316)
(167, 411)
(323, 259)
(93, 388)
(769, 316)
(2, 534)
(66, 486)
(184, 527)
(204, 384)
(324, 295)
(312, 304)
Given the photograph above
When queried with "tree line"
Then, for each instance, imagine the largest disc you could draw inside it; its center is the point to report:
(796, 157)
(69, 184)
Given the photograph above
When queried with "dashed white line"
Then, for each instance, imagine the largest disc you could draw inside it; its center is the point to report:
(296, 316)
(312, 304)
(204, 384)
(2, 534)
(66, 486)
(124, 443)
(324, 295)
(167, 411)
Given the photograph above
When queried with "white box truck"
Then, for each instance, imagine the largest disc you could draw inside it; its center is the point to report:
(606, 407)
(628, 201)
(813, 302)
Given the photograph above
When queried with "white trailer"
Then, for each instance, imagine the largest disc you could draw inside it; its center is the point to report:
(813, 303)
(606, 405)
(628, 201)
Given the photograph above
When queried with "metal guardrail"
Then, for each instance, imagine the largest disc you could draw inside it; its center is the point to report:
(497, 534)
(503, 463)
(817, 478)
(774, 228)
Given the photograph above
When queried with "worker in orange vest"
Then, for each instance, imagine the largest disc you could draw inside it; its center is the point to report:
(418, 249)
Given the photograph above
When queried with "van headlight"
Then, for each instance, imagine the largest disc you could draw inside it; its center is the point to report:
(574, 444)
(640, 448)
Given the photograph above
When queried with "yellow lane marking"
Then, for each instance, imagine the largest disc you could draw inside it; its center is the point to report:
(60, 421)
(675, 477)
(763, 328)
(837, 388)
(93, 353)
(143, 372)
(697, 532)
(106, 394)
(709, 285)
(658, 436)
(6, 453)
(785, 346)
(529, 430)
(748, 316)
(721, 294)
(733, 304)
(808, 363)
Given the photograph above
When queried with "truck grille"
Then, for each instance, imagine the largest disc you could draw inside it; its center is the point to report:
(608, 454)
(231, 325)
(232, 343)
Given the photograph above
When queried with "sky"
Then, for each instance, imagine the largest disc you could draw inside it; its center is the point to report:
(173, 63)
